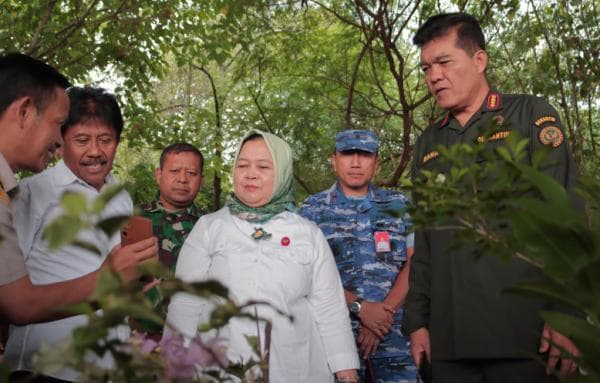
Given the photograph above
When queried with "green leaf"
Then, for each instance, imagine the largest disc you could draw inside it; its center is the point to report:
(107, 193)
(108, 282)
(504, 153)
(112, 225)
(208, 289)
(550, 290)
(62, 231)
(74, 203)
(550, 189)
(88, 336)
(253, 342)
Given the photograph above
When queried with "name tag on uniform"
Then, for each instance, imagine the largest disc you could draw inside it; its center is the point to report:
(382, 242)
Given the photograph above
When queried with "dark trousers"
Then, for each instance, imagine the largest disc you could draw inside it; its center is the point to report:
(29, 377)
(491, 371)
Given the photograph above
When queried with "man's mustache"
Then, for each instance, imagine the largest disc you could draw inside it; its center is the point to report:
(94, 161)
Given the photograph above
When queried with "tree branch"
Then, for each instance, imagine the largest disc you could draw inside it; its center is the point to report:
(218, 138)
(70, 29)
(361, 55)
(33, 47)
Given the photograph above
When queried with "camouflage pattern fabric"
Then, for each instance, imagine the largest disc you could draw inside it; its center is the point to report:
(171, 229)
(349, 225)
(363, 140)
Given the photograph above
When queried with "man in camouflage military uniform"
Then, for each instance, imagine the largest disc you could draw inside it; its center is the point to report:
(173, 213)
(455, 311)
(367, 230)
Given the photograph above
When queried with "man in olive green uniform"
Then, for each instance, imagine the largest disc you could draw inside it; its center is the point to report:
(455, 311)
(173, 213)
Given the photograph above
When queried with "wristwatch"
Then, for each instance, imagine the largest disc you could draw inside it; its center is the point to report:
(355, 306)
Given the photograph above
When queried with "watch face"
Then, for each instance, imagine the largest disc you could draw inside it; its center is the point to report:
(355, 307)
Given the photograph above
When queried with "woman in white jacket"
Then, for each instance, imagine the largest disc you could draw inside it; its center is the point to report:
(263, 251)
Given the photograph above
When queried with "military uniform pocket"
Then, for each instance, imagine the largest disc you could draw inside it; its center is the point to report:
(397, 234)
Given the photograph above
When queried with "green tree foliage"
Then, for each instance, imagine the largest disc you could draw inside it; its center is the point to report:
(204, 71)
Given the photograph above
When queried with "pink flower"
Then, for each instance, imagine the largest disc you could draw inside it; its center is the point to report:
(140, 341)
(181, 361)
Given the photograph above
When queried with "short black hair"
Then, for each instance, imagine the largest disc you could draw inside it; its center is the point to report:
(21, 75)
(470, 37)
(182, 147)
(89, 103)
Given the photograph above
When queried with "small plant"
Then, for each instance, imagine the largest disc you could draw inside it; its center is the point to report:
(142, 358)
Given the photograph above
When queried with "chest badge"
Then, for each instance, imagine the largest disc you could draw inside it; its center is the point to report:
(494, 137)
(260, 233)
(551, 136)
(285, 241)
(382, 242)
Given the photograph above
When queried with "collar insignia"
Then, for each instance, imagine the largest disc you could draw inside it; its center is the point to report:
(493, 101)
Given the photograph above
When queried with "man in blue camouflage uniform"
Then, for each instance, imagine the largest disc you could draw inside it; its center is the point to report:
(367, 230)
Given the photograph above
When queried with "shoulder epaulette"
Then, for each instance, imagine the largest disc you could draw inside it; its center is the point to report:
(493, 101)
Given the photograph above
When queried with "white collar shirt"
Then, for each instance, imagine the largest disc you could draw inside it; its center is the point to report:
(38, 203)
(293, 270)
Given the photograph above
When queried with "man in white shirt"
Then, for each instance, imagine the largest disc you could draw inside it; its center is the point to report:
(33, 106)
(91, 135)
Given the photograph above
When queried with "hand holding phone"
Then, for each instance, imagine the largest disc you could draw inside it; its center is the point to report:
(137, 229)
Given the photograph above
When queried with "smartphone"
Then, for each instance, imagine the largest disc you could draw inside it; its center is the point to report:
(137, 229)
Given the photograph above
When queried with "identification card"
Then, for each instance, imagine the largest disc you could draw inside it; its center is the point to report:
(382, 242)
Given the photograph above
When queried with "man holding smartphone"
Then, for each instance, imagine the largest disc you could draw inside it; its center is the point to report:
(90, 134)
(33, 106)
